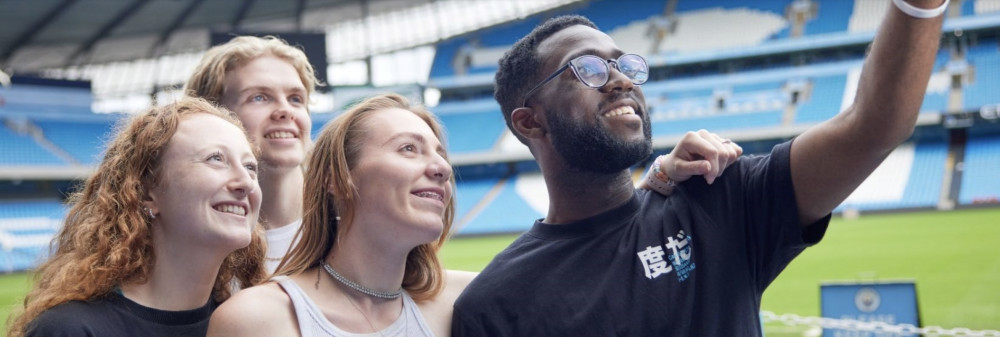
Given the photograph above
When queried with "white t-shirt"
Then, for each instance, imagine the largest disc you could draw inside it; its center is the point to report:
(278, 242)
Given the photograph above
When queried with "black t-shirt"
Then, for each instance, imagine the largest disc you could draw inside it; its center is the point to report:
(692, 264)
(115, 315)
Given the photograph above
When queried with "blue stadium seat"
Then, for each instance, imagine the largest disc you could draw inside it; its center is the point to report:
(985, 58)
(469, 193)
(825, 100)
(923, 186)
(22, 150)
(31, 209)
(980, 181)
(717, 123)
(26, 229)
(832, 17)
(471, 126)
(85, 141)
(507, 213)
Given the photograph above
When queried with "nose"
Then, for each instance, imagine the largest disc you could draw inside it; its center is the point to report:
(242, 182)
(617, 81)
(283, 110)
(439, 169)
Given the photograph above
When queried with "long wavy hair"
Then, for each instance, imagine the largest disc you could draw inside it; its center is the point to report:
(209, 76)
(330, 191)
(106, 240)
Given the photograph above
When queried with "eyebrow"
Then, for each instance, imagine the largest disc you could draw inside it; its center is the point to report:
(414, 136)
(269, 89)
(224, 148)
(592, 51)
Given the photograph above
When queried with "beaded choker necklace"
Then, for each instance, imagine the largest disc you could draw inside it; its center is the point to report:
(360, 288)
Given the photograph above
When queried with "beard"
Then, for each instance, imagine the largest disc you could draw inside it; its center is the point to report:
(595, 149)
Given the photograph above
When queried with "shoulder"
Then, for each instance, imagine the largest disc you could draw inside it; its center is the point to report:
(438, 311)
(262, 310)
(455, 281)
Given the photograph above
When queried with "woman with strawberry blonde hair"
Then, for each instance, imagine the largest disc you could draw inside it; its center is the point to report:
(158, 236)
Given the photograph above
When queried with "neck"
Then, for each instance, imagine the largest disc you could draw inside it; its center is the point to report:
(181, 279)
(282, 190)
(370, 265)
(575, 195)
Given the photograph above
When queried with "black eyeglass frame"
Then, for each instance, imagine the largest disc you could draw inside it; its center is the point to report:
(607, 65)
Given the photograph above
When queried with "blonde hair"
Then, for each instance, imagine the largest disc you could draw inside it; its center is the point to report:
(330, 191)
(106, 240)
(210, 75)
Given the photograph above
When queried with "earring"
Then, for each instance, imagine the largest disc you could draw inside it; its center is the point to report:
(150, 212)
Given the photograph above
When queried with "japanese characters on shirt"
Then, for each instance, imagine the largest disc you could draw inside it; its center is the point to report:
(671, 257)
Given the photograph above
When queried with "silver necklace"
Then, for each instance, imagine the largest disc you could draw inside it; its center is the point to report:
(389, 295)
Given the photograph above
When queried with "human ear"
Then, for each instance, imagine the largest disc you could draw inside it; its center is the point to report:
(149, 204)
(525, 122)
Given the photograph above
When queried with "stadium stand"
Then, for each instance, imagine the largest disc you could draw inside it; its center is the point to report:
(756, 96)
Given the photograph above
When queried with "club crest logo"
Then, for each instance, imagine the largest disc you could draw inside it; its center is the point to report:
(867, 299)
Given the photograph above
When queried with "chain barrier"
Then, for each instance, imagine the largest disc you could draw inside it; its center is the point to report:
(880, 327)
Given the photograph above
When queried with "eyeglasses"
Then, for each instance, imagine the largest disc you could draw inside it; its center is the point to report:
(595, 71)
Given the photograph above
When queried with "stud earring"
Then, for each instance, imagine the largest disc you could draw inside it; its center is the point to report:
(150, 212)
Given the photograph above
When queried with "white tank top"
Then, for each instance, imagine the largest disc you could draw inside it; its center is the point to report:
(313, 323)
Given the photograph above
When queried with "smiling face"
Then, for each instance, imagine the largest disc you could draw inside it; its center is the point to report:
(271, 101)
(402, 176)
(602, 130)
(207, 193)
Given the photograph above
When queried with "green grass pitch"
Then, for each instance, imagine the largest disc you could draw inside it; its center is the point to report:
(953, 256)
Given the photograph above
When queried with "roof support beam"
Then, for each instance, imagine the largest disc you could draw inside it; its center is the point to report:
(300, 9)
(106, 29)
(35, 28)
(178, 20)
(240, 15)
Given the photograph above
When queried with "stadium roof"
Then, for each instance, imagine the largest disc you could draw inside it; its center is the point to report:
(56, 33)
(41, 34)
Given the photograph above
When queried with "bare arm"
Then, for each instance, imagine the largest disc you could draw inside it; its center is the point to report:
(832, 159)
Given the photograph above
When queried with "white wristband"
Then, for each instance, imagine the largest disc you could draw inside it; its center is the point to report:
(658, 181)
(921, 13)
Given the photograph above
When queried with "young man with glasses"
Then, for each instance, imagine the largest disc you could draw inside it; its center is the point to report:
(608, 260)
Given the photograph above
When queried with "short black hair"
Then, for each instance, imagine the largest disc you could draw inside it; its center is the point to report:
(519, 66)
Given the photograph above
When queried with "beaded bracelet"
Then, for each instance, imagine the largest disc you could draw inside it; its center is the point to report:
(920, 13)
(658, 180)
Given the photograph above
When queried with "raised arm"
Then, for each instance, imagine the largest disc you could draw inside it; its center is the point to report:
(832, 159)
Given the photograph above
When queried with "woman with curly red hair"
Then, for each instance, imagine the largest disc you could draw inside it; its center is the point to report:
(161, 233)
